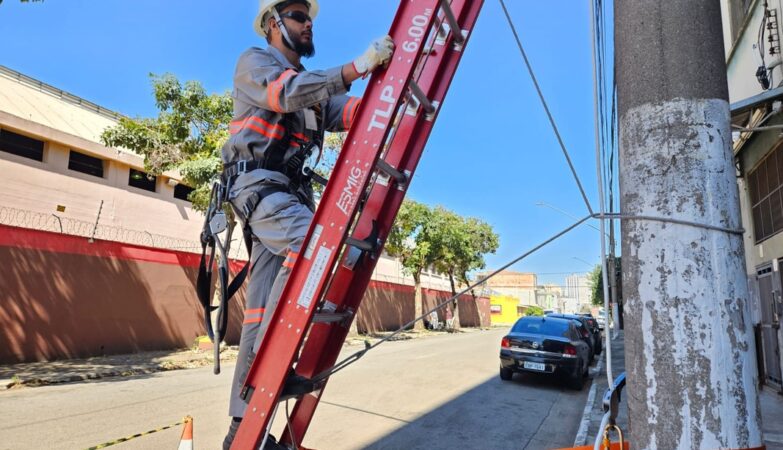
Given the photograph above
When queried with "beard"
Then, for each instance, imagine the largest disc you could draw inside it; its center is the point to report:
(302, 48)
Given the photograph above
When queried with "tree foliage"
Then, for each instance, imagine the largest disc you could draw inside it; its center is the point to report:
(534, 311)
(409, 238)
(459, 244)
(424, 237)
(187, 134)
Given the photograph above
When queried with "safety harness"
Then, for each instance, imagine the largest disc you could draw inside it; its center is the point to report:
(300, 176)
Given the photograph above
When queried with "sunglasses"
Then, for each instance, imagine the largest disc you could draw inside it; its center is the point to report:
(298, 16)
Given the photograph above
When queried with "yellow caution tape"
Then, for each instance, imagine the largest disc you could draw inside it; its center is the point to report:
(128, 438)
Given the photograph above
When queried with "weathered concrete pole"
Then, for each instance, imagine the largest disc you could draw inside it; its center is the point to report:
(689, 341)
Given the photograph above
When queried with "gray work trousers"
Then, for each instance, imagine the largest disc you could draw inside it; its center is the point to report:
(279, 225)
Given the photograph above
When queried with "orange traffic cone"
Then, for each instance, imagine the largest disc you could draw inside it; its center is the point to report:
(186, 441)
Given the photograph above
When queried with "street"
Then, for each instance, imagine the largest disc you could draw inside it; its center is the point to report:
(441, 391)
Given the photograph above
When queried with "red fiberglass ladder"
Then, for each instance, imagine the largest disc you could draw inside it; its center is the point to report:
(356, 212)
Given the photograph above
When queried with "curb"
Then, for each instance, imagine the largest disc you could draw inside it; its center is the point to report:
(584, 424)
(42, 381)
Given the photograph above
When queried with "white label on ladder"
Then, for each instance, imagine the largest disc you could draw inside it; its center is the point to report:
(313, 241)
(316, 272)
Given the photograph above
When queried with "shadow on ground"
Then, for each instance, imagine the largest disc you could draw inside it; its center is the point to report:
(525, 413)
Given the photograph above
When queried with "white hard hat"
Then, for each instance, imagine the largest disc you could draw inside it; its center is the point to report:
(266, 5)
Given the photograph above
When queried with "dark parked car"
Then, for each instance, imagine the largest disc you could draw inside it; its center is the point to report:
(592, 327)
(545, 345)
(595, 328)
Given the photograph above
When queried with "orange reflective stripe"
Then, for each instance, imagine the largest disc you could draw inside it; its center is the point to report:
(252, 320)
(298, 136)
(254, 311)
(276, 87)
(349, 109)
(290, 259)
(260, 130)
(354, 110)
(267, 129)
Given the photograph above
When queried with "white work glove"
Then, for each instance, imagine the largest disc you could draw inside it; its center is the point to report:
(378, 53)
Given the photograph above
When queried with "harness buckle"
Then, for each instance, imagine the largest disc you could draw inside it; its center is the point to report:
(241, 166)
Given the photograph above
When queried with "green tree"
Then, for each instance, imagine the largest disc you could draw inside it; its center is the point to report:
(410, 241)
(458, 246)
(534, 311)
(187, 134)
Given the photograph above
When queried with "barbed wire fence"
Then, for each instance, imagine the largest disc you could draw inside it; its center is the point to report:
(89, 229)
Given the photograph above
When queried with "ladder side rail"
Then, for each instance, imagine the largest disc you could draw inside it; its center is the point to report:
(323, 345)
(329, 227)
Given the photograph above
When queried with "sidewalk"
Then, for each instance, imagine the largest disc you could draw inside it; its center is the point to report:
(71, 370)
(66, 371)
(771, 405)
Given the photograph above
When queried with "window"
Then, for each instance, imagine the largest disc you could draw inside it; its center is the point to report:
(542, 325)
(85, 164)
(738, 10)
(181, 191)
(21, 145)
(495, 309)
(766, 197)
(141, 180)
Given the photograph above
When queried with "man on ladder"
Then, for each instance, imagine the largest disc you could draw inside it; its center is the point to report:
(281, 112)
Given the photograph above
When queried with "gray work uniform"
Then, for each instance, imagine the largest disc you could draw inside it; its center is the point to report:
(272, 98)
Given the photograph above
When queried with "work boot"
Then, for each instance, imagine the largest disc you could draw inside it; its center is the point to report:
(271, 442)
(232, 432)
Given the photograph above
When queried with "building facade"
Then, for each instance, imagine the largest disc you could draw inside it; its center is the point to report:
(751, 31)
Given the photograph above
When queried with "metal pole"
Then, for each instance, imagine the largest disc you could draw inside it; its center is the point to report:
(690, 352)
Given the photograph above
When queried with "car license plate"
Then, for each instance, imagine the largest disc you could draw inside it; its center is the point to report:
(534, 366)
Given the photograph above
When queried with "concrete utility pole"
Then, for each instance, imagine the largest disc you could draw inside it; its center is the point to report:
(689, 342)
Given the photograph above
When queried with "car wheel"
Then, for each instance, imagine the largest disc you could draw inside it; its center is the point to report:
(506, 374)
(577, 381)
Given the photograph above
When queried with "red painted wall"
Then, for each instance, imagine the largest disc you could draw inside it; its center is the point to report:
(387, 306)
(63, 297)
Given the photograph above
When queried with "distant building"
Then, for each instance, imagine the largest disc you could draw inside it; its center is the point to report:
(577, 290)
(548, 297)
(504, 309)
(521, 285)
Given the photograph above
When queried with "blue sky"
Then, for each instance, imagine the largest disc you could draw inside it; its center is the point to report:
(491, 155)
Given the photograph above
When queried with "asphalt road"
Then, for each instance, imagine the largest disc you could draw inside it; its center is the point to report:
(438, 392)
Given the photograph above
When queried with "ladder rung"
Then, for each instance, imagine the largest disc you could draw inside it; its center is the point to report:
(331, 317)
(458, 37)
(422, 98)
(361, 245)
(386, 168)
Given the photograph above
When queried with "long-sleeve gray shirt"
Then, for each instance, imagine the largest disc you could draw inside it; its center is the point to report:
(267, 87)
